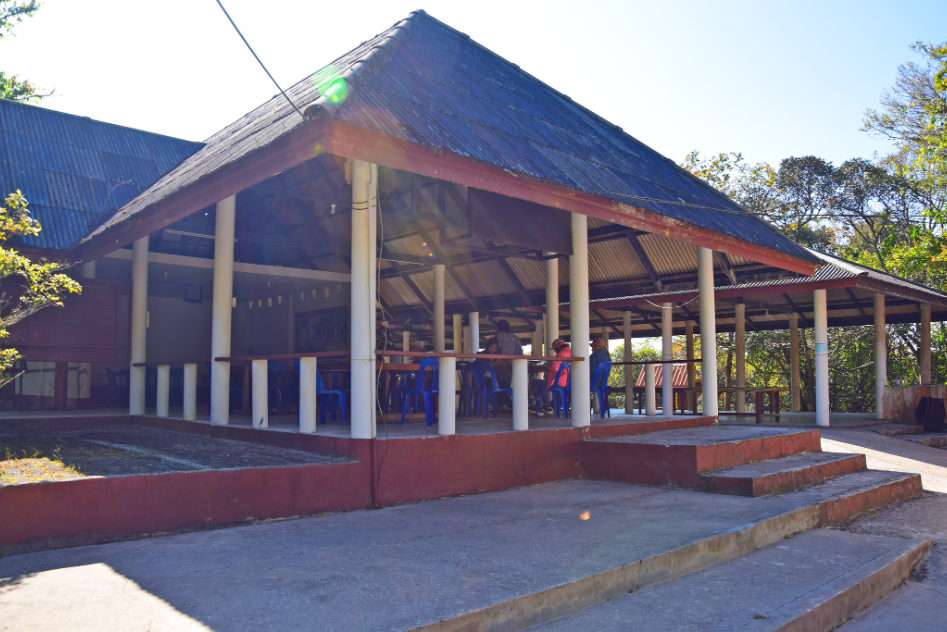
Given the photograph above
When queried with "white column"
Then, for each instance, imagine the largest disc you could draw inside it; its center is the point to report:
(84, 374)
(363, 301)
(925, 359)
(261, 394)
(881, 356)
(708, 329)
(438, 307)
(164, 390)
(689, 345)
(650, 396)
(520, 395)
(579, 320)
(190, 392)
(221, 311)
(820, 316)
(458, 331)
(291, 324)
(794, 394)
(405, 345)
(139, 327)
(307, 395)
(446, 387)
(741, 355)
(468, 343)
(629, 370)
(552, 302)
(667, 353)
(474, 319)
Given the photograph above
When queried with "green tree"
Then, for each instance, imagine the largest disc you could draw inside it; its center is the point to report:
(27, 286)
(12, 87)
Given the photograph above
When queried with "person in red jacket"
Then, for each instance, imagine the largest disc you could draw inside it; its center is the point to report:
(541, 387)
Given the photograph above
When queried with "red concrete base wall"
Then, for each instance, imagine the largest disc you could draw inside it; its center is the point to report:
(409, 470)
(148, 503)
(901, 401)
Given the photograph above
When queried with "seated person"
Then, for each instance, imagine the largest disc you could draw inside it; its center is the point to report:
(541, 387)
(599, 355)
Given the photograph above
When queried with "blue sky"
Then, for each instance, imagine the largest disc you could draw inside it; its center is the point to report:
(768, 79)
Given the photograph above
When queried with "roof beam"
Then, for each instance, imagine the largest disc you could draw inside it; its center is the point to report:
(725, 266)
(645, 261)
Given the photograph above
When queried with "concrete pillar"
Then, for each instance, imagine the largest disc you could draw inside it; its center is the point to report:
(164, 391)
(605, 332)
(881, 356)
(552, 302)
(741, 355)
(291, 324)
(925, 359)
(261, 394)
(579, 320)
(474, 320)
(629, 370)
(689, 345)
(84, 374)
(307, 395)
(364, 217)
(405, 345)
(667, 353)
(820, 316)
(520, 395)
(139, 327)
(190, 392)
(446, 387)
(708, 329)
(438, 307)
(221, 311)
(650, 396)
(794, 393)
(458, 331)
(537, 339)
(468, 343)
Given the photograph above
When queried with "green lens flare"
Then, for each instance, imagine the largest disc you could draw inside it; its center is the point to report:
(331, 84)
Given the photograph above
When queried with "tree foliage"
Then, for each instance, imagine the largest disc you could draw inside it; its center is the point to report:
(12, 87)
(887, 213)
(26, 287)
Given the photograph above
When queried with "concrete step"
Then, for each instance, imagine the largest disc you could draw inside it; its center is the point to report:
(780, 475)
(916, 606)
(678, 457)
(931, 440)
(894, 429)
(621, 425)
(814, 581)
(845, 496)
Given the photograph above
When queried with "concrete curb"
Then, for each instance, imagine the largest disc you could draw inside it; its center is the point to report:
(843, 599)
(551, 603)
(833, 510)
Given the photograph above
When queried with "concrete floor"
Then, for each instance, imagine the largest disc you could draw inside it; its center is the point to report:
(390, 569)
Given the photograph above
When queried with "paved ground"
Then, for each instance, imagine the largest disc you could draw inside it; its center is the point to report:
(27, 457)
(891, 453)
(389, 569)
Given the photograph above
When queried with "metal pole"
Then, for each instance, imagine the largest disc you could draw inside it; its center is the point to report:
(190, 392)
(261, 403)
(474, 320)
(307, 395)
(164, 391)
(520, 395)
(446, 387)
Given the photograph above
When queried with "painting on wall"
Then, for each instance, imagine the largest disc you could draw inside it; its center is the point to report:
(322, 330)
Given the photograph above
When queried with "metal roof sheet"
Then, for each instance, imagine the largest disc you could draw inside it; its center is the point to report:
(76, 172)
(426, 83)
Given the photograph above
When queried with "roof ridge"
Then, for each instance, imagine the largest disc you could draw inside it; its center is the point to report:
(10, 102)
(845, 263)
(396, 34)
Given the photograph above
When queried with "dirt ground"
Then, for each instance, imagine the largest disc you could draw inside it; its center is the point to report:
(28, 457)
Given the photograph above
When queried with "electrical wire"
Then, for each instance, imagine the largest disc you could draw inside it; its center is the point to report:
(259, 61)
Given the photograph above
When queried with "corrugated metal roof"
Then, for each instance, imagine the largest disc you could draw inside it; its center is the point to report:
(76, 172)
(428, 84)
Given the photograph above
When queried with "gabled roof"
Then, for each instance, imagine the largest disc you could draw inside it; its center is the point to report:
(75, 172)
(424, 83)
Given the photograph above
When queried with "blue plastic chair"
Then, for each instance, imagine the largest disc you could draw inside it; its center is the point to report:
(323, 393)
(489, 392)
(422, 387)
(561, 394)
(599, 384)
